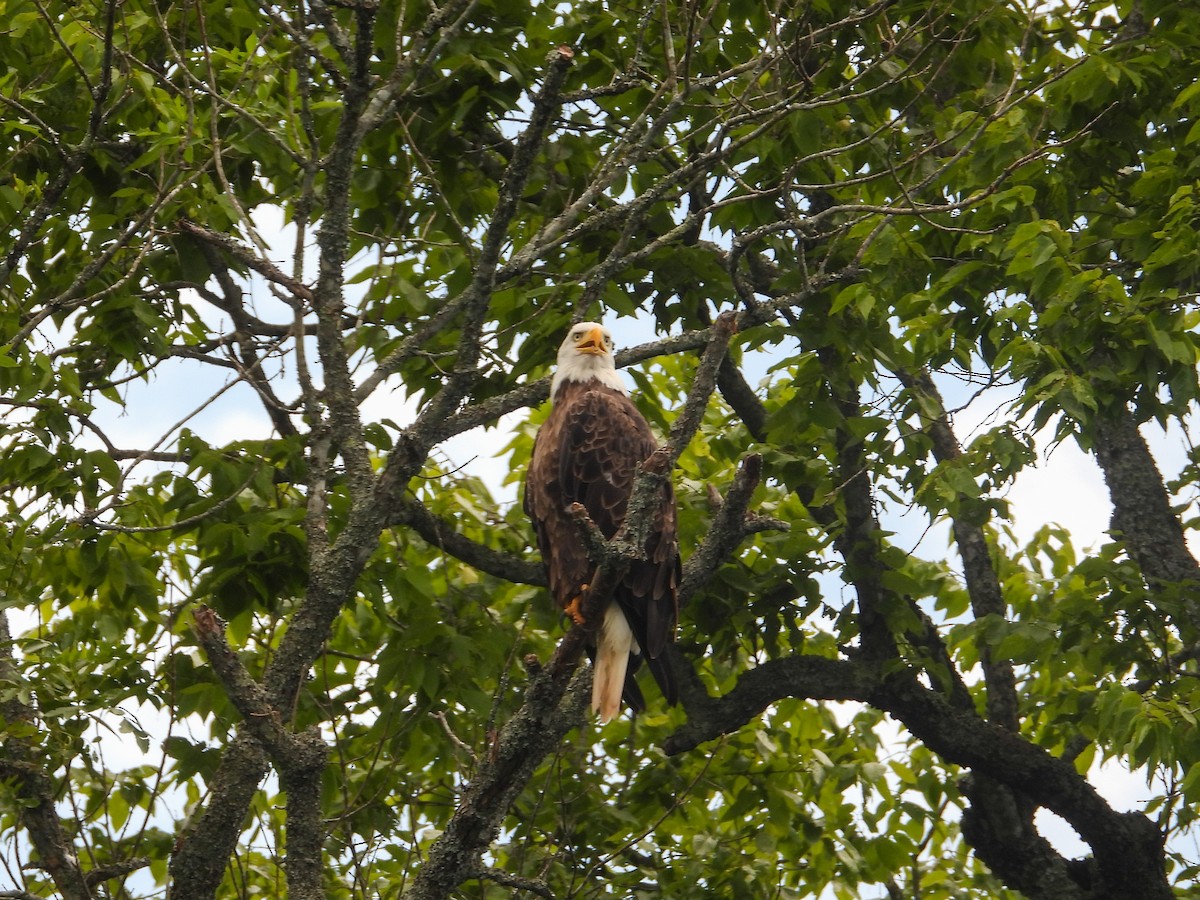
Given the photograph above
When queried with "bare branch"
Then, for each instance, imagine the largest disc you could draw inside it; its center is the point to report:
(203, 848)
(859, 540)
(116, 869)
(513, 881)
(545, 108)
(248, 258)
(553, 706)
(300, 758)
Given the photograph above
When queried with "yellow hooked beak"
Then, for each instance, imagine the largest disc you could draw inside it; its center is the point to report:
(592, 342)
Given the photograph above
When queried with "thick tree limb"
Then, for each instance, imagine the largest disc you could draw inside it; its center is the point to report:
(42, 823)
(300, 758)
(997, 826)
(513, 881)
(686, 423)
(858, 541)
(1142, 513)
(742, 399)
(261, 718)
(802, 676)
(1127, 847)
(33, 785)
(732, 384)
(552, 708)
(205, 845)
(300, 777)
(999, 822)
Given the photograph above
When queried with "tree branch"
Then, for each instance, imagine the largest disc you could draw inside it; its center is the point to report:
(998, 826)
(553, 706)
(742, 399)
(205, 845)
(803, 676)
(115, 870)
(443, 534)
(1127, 847)
(558, 693)
(983, 584)
(858, 541)
(728, 528)
(478, 295)
(513, 881)
(33, 785)
(300, 777)
(1142, 513)
(300, 758)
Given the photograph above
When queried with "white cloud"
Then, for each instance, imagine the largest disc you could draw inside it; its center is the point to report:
(1065, 488)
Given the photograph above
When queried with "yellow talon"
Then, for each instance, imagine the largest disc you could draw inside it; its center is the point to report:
(572, 608)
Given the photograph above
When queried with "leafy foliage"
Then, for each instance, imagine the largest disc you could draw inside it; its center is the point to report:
(266, 265)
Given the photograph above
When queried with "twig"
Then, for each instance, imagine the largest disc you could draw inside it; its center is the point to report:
(246, 257)
(115, 870)
(454, 738)
(515, 881)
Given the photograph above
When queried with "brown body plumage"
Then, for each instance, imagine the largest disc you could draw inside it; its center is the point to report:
(587, 452)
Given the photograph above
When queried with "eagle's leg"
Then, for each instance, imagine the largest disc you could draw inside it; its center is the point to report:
(573, 610)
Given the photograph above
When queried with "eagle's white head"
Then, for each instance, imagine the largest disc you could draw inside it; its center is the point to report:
(586, 354)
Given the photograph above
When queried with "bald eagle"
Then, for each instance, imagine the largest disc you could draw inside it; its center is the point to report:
(587, 452)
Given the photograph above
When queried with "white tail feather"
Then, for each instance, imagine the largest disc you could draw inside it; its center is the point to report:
(613, 646)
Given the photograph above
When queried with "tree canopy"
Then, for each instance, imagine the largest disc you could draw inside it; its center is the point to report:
(261, 263)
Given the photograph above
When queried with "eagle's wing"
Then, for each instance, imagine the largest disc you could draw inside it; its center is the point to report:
(605, 439)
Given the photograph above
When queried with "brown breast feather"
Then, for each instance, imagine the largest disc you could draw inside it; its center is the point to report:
(587, 452)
